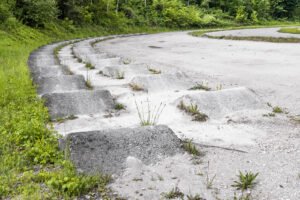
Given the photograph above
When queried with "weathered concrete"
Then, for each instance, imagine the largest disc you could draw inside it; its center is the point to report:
(78, 103)
(217, 104)
(63, 83)
(163, 82)
(108, 149)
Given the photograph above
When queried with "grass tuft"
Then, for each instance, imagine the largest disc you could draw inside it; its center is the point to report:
(154, 71)
(200, 87)
(194, 111)
(190, 147)
(88, 65)
(151, 117)
(245, 181)
(135, 87)
(174, 194)
(120, 107)
(120, 75)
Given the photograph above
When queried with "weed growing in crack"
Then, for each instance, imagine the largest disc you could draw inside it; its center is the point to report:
(190, 147)
(194, 111)
(63, 119)
(135, 87)
(219, 87)
(79, 60)
(120, 107)
(88, 65)
(120, 75)
(245, 181)
(242, 197)
(160, 178)
(154, 71)
(269, 115)
(151, 117)
(209, 181)
(100, 72)
(88, 82)
(126, 62)
(277, 109)
(69, 71)
(201, 87)
(196, 197)
(173, 194)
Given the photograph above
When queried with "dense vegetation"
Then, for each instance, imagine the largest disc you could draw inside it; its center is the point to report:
(170, 13)
(31, 165)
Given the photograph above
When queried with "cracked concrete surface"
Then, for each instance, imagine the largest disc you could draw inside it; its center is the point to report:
(237, 135)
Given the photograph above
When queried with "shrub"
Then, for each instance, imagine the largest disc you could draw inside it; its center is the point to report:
(4, 13)
(241, 15)
(36, 12)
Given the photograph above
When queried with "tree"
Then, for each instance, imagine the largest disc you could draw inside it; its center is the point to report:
(283, 8)
(36, 12)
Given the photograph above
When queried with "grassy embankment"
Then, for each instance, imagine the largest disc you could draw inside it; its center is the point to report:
(31, 165)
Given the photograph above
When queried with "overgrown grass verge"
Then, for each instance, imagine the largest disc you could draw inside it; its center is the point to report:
(257, 38)
(31, 164)
(290, 30)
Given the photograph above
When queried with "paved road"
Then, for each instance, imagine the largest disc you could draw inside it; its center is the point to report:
(271, 69)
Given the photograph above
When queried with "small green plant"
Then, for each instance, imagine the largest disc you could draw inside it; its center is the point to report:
(269, 104)
(269, 115)
(120, 75)
(88, 82)
(151, 117)
(245, 181)
(126, 62)
(190, 147)
(209, 181)
(69, 71)
(63, 119)
(200, 87)
(196, 197)
(277, 109)
(120, 107)
(194, 111)
(154, 71)
(173, 194)
(100, 72)
(79, 60)
(88, 65)
(219, 87)
(160, 178)
(135, 87)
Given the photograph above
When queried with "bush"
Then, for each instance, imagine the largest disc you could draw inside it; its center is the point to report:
(36, 13)
(4, 13)
(241, 15)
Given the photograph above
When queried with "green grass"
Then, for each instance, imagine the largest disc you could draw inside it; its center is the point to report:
(89, 65)
(154, 71)
(245, 181)
(194, 111)
(290, 30)
(257, 38)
